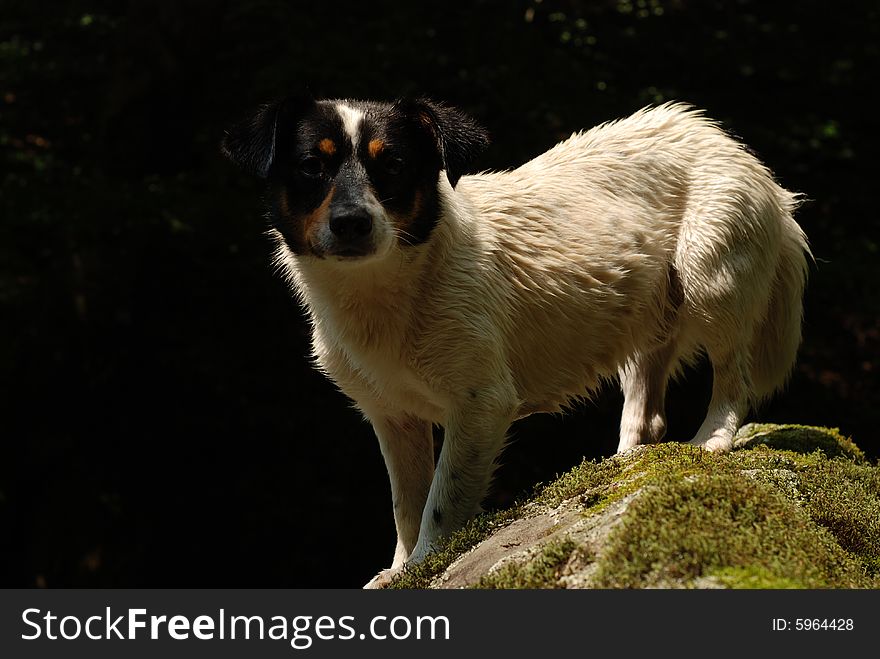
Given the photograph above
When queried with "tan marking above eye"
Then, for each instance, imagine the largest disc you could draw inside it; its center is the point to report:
(375, 147)
(327, 146)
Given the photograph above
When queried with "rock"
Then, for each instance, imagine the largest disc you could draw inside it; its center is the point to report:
(790, 507)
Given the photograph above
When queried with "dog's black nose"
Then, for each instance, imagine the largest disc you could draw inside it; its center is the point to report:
(351, 225)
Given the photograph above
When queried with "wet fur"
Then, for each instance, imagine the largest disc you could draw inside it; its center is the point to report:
(624, 251)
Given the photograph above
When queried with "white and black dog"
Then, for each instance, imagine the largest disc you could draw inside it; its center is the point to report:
(472, 301)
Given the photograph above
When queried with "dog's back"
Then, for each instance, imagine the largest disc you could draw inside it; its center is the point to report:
(653, 230)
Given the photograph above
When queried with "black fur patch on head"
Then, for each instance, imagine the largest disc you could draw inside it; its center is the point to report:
(252, 143)
(304, 171)
(403, 167)
(457, 138)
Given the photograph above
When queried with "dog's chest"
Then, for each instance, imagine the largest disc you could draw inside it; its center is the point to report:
(378, 369)
(396, 384)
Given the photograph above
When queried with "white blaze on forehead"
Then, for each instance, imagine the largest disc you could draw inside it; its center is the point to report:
(351, 121)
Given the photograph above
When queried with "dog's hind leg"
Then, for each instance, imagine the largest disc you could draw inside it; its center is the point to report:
(728, 296)
(731, 387)
(643, 381)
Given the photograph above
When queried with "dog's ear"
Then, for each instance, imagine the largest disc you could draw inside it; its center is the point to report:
(457, 138)
(252, 142)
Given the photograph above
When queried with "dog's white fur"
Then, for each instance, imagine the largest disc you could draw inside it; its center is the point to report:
(626, 250)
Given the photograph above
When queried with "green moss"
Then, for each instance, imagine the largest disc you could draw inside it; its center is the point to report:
(793, 506)
(754, 578)
(589, 480)
(845, 499)
(801, 439)
(540, 571)
(474, 532)
(599, 484)
(679, 530)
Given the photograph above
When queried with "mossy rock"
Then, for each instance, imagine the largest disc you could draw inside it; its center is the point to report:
(799, 439)
(790, 507)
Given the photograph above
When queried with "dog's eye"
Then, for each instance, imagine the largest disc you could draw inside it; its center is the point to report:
(311, 166)
(393, 165)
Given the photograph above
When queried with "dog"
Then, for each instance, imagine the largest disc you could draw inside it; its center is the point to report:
(625, 252)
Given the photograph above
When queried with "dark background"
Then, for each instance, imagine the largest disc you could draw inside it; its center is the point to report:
(160, 422)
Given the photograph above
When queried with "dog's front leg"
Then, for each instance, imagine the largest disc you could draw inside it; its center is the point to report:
(474, 437)
(408, 448)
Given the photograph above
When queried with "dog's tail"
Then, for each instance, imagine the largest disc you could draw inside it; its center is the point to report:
(778, 336)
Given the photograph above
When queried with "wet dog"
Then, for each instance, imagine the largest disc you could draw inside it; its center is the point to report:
(471, 301)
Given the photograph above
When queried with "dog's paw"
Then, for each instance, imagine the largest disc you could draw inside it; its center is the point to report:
(715, 444)
(383, 579)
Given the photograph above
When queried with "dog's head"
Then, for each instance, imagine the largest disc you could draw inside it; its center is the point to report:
(350, 179)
